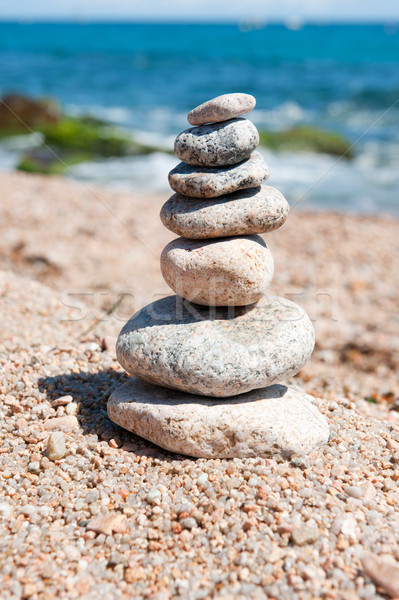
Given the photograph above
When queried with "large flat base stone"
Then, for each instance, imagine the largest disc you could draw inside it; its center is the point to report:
(272, 420)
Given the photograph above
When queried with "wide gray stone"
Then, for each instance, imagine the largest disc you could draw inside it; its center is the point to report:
(216, 352)
(265, 422)
(233, 271)
(217, 145)
(210, 182)
(255, 210)
(222, 108)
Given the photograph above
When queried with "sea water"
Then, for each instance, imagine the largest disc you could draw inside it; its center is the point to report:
(146, 77)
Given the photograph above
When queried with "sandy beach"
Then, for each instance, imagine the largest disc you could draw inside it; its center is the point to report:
(76, 262)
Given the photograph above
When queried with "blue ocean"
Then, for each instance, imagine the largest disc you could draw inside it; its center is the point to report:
(146, 77)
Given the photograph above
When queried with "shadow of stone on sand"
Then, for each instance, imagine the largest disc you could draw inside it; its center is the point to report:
(91, 391)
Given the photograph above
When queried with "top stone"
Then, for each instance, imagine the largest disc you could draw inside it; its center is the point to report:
(222, 108)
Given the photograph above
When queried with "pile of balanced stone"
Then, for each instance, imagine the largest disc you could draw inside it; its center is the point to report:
(205, 362)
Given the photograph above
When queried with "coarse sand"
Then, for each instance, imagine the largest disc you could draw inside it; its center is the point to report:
(116, 517)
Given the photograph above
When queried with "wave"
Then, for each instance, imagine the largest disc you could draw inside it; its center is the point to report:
(144, 173)
(281, 116)
(119, 115)
(308, 180)
(366, 184)
(162, 122)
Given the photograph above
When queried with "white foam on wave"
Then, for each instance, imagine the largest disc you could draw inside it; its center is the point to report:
(145, 173)
(119, 115)
(281, 116)
(22, 142)
(12, 148)
(157, 140)
(8, 160)
(363, 122)
(308, 180)
(162, 120)
(370, 182)
(321, 181)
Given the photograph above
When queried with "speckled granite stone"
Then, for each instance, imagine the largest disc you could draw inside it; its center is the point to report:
(224, 272)
(216, 352)
(255, 210)
(207, 182)
(217, 145)
(222, 108)
(264, 422)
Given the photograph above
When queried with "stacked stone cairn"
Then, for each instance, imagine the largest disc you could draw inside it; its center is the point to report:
(207, 363)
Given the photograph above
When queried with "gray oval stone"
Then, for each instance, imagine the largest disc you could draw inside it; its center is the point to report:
(216, 352)
(272, 420)
(223, 272)
(217, 145)
(222, 108)
(210, 182)
(255, 210)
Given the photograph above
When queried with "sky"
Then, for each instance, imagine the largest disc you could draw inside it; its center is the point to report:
(200, 10)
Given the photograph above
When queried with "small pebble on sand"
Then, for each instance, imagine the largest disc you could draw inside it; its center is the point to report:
(56, 448)
(153, 496)
(305, 534)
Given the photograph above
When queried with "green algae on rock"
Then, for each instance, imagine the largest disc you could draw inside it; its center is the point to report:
(306, 138)
(47, 161)
(64, 140)
(86, 135)
(72, 140)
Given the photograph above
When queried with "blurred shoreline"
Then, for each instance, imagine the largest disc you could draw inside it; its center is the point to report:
(310, 178)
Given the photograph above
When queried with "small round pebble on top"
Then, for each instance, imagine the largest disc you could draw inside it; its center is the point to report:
(222, 108)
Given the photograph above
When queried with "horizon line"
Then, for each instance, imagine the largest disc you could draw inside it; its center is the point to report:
(216, 21)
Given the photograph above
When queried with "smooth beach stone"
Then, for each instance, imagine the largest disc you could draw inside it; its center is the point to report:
(210, 182)
(217, 145)
(222, 108)
(216, 352)
(272, 420)
(255, 210)
(223, 272)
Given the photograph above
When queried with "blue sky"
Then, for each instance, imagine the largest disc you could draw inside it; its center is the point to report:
(203, 10)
